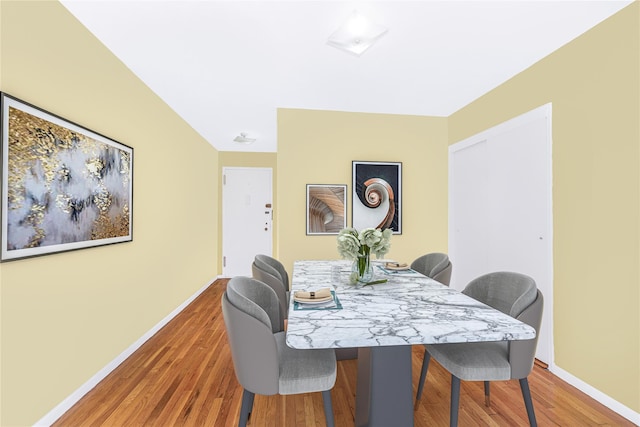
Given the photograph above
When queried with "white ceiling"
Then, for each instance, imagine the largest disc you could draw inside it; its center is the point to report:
(226, 66)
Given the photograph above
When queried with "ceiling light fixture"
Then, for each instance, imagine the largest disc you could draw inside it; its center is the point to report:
(356, 35)
(243, 139)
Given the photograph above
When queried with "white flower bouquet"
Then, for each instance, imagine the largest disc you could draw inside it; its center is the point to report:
(358, 246)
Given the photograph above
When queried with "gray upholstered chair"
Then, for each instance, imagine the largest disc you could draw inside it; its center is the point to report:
(435, 265)
(516, 295)
(273, 266)
(272, 272)
(276, 284)
(263, 362)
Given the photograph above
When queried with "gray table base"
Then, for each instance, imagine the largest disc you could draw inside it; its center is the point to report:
(384, 389)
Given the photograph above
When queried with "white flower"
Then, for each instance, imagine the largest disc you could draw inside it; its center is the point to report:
(383, 245)
(370, 236)
(348, 243)
(352, 244)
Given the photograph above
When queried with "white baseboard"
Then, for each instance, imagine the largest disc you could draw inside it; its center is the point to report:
(74, 397)
(596, 394)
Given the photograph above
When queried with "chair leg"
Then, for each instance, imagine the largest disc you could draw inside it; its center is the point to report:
(246, 408)
(328, 407)
(455, 401)
(423, 375)
(526, 394)
(487, 393)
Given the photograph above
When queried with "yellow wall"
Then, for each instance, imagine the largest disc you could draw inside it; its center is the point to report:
(593, 83)
(317, 147)
(66, 316)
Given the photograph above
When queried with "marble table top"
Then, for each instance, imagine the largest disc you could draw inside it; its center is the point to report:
(408, 309)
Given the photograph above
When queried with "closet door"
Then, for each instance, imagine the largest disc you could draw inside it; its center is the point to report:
(500, 213)
(469, 233)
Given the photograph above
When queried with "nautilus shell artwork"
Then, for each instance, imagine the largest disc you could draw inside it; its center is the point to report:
(376, 195)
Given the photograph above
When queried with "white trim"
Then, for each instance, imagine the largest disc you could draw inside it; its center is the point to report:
(596, 394)
(74, 397)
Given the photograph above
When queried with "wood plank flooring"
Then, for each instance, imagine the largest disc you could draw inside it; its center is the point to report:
(183, 376)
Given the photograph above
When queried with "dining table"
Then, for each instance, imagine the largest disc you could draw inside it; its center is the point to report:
(383, 321)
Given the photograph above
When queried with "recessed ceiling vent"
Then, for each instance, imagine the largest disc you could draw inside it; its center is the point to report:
(243, 139)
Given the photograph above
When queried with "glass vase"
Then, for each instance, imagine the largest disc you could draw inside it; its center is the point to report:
(362, 269)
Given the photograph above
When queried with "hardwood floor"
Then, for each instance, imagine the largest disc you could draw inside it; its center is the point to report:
(184, 376)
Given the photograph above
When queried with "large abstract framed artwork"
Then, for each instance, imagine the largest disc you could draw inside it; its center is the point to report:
(326, 208)
(64, 187)
(377, 195)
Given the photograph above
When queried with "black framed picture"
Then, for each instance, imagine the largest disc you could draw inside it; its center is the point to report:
(64, 187)
(377, 195)
(326, 208)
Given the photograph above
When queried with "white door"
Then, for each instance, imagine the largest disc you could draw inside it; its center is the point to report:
(500, 199)
(246, 218)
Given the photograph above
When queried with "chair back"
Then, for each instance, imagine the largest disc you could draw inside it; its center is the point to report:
(522, 353)
(276, 284)
(506, 291)
(444, 276)
(273, 267)
(435, 265)
(253, 346)
(517, 295)
(256, 299)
